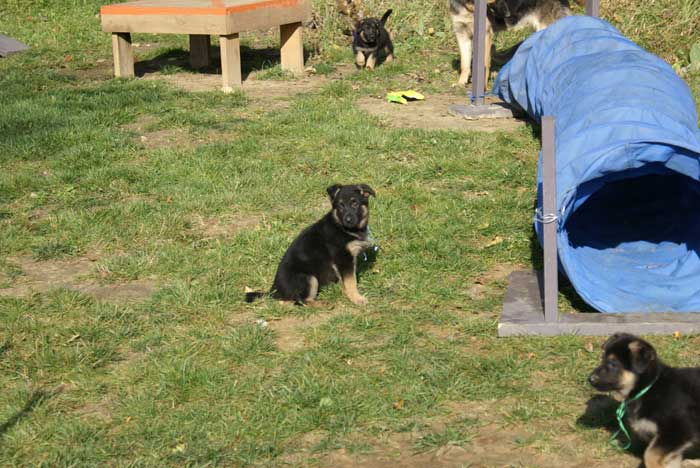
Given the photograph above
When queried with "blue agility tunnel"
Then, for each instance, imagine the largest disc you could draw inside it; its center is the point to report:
(628, 164)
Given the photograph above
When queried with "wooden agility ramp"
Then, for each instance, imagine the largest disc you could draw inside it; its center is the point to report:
(201, 19)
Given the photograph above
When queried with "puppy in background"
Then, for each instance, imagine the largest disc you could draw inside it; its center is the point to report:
(369, 38)
(662, 402)
(353, 11)
(326, 251)
(501, 15)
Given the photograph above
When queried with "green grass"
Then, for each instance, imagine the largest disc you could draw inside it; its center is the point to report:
(186, 376)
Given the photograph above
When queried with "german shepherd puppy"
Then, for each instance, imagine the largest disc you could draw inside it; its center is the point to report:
(668, 414)
(326, 251)
(501, 15)
(368, 39)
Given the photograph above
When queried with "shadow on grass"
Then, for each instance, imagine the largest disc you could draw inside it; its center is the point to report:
(38, 397)
(252, 60)
(600, 413)
(565, 286)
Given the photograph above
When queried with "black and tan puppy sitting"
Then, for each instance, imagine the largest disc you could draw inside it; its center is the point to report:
(326, 251)
(662, 403)
(369, 38)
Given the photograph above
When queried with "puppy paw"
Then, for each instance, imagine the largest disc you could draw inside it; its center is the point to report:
(359, 300)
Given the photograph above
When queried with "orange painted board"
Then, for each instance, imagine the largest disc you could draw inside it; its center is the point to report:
(194, 7)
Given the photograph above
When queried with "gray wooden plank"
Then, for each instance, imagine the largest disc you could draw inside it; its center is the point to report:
(523, 315)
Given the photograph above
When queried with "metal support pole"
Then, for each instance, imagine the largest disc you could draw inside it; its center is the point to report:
(549, 221)
(479, 52)
(593, 8)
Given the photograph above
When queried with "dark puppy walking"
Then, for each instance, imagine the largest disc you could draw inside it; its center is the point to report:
(326, 251)
(662, 403)
(369, 38)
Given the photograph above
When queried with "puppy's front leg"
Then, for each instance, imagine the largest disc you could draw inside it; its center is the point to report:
(464, 40)
(360, 58)
(371, 61)
(349, 278)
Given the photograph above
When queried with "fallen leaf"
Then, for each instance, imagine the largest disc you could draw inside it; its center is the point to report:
(73, 338)
(495, 241)
(397, 405)
(483, 226)
(179, 448)
(589, 347)
(325, 402)
(676, 335)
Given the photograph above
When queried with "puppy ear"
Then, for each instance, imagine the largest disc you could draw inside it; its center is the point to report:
(333, 190)
(642, 355)
(613, 338)
(366, 190)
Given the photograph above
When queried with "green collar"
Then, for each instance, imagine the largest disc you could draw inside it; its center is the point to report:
(622, 409)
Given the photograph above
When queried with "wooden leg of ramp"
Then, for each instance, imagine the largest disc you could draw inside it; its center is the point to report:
(123, 55)
(292, 48)
(230, 62)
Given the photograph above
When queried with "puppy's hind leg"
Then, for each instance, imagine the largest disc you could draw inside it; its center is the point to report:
(663, 452)
(389, 49)
(297, 287)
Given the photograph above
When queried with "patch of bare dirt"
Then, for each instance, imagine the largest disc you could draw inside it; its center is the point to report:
(290, 331)
(224, 226)
(99, 410)
(118, 292)
(497, 273)
(492, 445)
(42, 276)
(441, 332)
(432, 114)
(276, 93)
(163, 138)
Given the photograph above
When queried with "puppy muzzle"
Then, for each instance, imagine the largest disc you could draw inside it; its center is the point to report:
(593, 379)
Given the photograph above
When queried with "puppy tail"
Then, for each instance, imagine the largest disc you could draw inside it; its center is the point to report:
(385, 16)
(251, 295)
